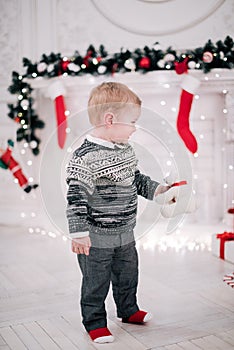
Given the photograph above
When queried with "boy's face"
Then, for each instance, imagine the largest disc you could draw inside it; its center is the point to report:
(125, 125)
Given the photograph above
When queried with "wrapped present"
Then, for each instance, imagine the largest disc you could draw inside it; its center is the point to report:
(223, 246)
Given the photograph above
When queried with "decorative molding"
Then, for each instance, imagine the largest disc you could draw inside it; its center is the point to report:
(149, 83)
(9, 41)
(161, 19)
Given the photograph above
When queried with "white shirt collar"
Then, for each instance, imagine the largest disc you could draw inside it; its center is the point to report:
(103, 142)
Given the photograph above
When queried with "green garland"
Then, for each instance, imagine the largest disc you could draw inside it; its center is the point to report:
(99, 62)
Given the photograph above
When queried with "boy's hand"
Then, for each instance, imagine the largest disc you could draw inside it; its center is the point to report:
(161, 189)
(81, 245)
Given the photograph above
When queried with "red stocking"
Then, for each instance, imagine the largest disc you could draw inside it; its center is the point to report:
(189, 86)
(56, 91)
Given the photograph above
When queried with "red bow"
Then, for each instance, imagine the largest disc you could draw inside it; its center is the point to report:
(224, 237)
(181, 67)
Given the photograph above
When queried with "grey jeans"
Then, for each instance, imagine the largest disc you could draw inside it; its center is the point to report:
(118, 265)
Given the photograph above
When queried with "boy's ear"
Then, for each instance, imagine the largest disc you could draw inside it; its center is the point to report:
(108, 118)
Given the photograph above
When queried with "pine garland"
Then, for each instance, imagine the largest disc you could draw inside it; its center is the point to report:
(99, 62)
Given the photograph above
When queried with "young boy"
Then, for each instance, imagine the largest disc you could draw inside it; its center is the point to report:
(104, 183)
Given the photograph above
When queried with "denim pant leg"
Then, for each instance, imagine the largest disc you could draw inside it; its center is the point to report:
(125, 279)
(96, 270)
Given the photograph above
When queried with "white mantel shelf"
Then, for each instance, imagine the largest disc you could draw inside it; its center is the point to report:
(214, 81)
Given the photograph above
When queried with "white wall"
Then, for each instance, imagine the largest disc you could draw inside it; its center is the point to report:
(32, 27)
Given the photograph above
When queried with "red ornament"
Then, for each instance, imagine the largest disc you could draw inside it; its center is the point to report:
(64, 65)
(144, 63)
(87, 58)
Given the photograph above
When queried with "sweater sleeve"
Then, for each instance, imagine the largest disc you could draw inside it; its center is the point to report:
(80, 186)
(146, 187)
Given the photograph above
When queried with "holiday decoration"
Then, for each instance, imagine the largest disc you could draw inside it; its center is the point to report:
(99, 62)
(8, 162)
(56, 91)
(189, 86)
(223, 246)
(229, 279)
(177, 200)
(207, 57)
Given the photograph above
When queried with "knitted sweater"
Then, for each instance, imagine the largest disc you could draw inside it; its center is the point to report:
(104, 183)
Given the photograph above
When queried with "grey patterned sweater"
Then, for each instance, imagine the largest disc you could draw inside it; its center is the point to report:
(103, 185)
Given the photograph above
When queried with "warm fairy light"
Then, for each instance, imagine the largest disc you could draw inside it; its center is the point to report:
(206, 78)
(30, 230)
(169, 163)
(22, 214)
(225, 111)
(23, 151)
(16, 181)
(202, 117)
(20, 97)
(201, 136)
(173, 109)
(65, 58)
(69, 150)
(30, 179)
(217, 75)
(225, 186)
(33, 214)
(34, 75)
(195, 155)
(230, 167)
(225, 91)
(163, 103)
(25, 145)
(52, 234)
(196, 97)
(195, 176)
(67, 112)
(167, 86)
(83, 66)
(29, 162)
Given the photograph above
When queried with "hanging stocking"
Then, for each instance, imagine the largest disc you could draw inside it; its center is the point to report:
(8, 162)
(189, 86)
(56, 91)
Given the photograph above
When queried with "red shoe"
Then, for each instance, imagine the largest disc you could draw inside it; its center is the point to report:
(138, 317)
(101, 335)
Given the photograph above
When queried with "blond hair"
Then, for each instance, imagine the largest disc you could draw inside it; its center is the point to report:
(110, 97)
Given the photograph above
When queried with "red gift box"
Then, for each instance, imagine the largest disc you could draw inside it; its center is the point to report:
(224, 237)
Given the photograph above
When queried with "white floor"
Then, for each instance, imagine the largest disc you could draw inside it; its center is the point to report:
(180, 283)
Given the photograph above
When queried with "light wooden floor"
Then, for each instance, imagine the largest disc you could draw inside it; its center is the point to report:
(39, 299)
